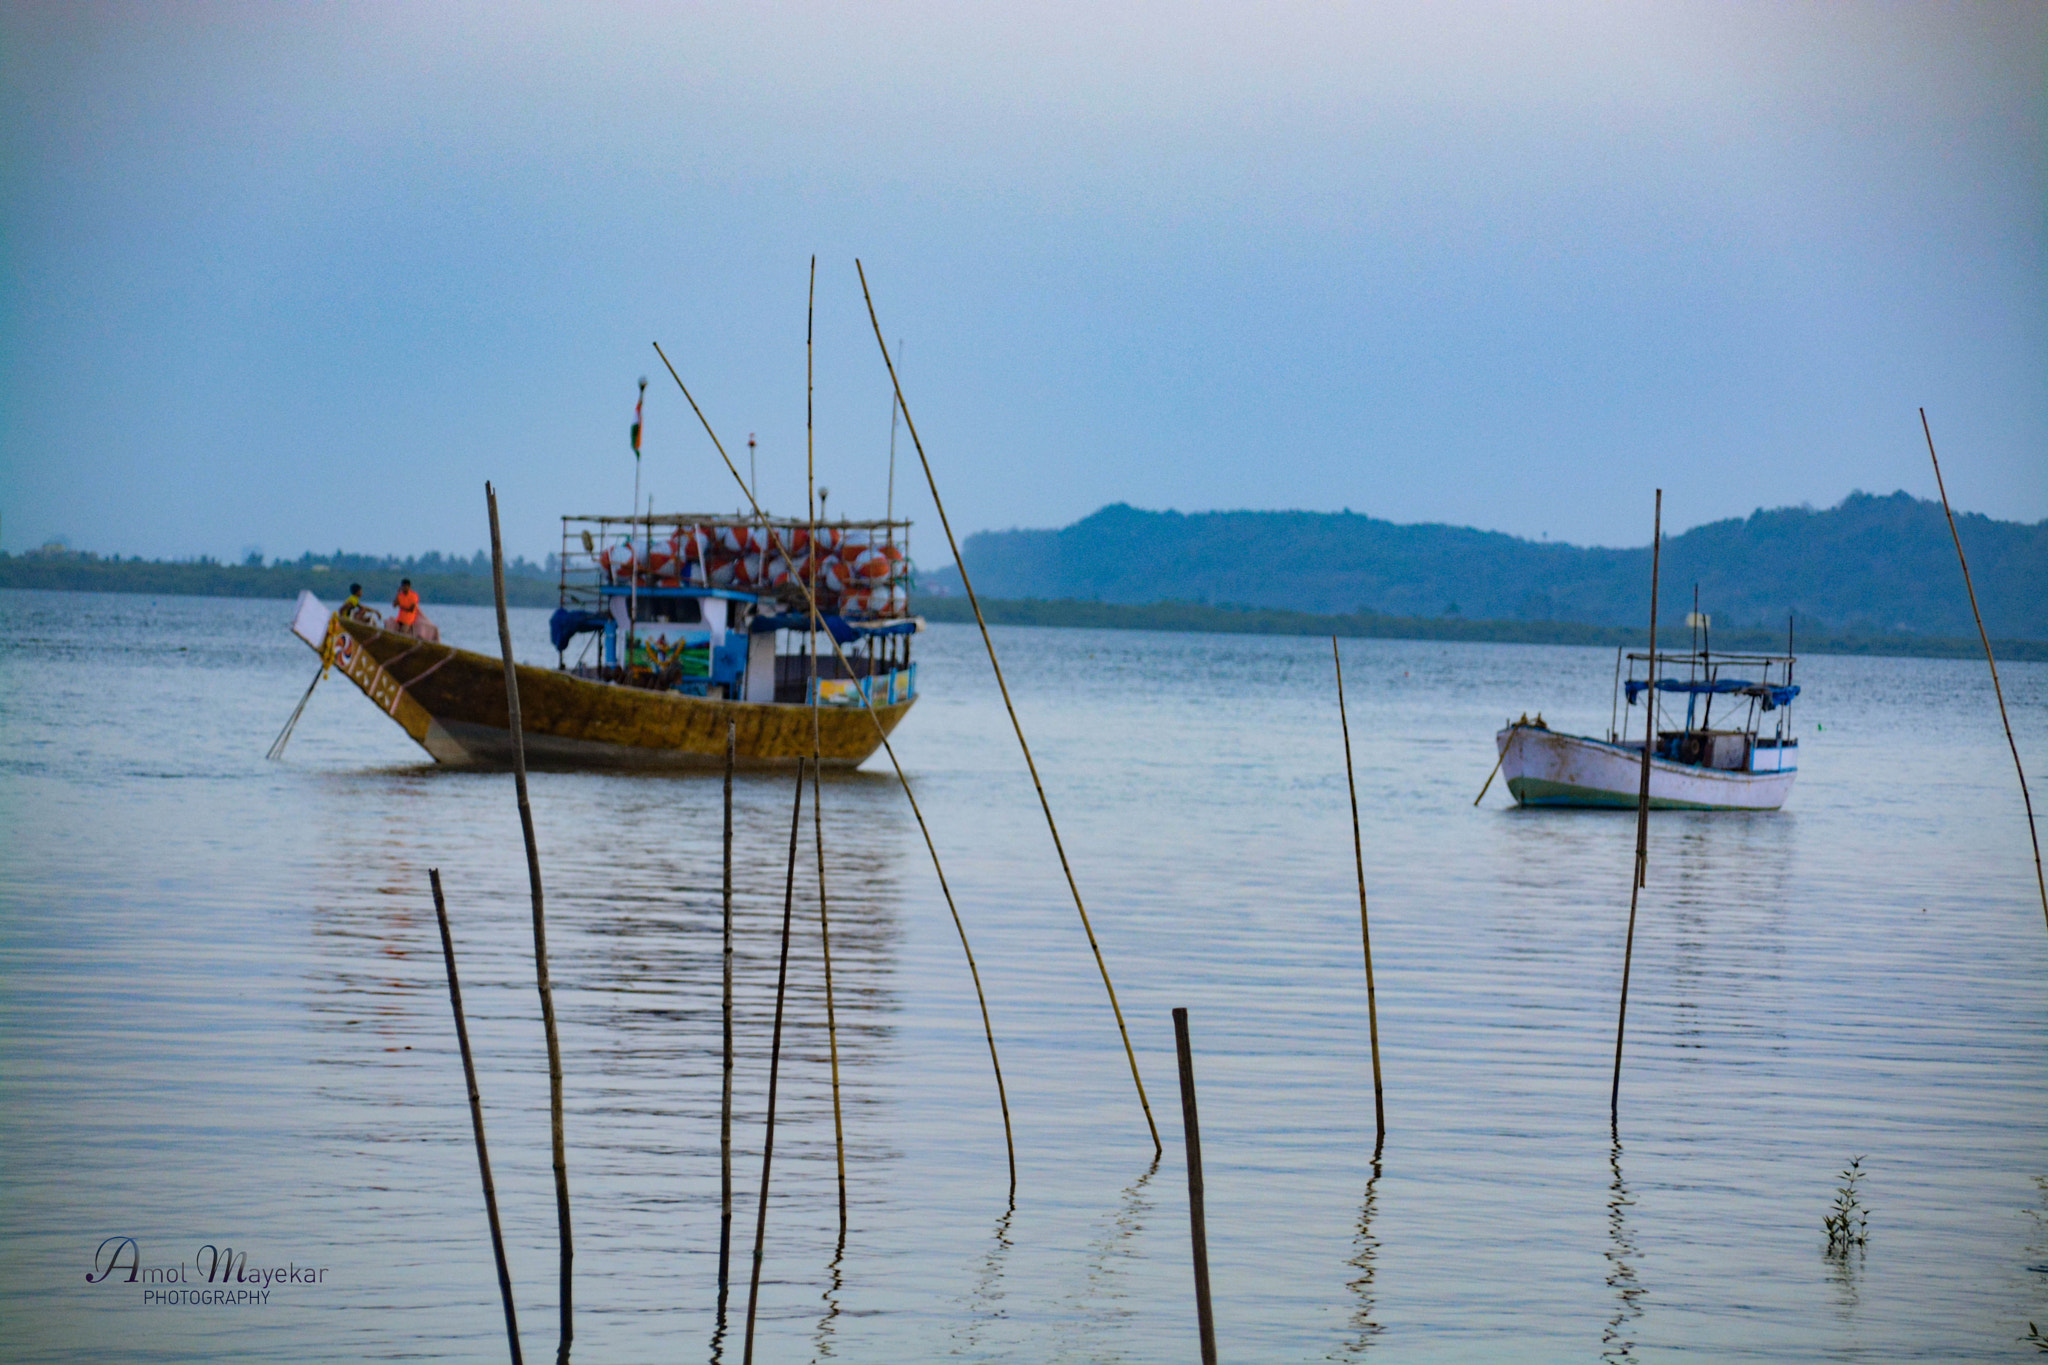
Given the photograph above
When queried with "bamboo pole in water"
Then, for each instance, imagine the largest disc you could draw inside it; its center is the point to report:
(725, 1096)
(817, 745)
(1372, 1010)
(881, 733)
(540, 933)
(1198, 1218)
(1642, 865)
(796, 824)
(2040, 883)
(476, 1117)
(910, 425)
(831, 1017)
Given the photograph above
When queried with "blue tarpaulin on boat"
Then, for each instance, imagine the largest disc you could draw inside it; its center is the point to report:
(567, 623)
(1772, 695)
(841, 629)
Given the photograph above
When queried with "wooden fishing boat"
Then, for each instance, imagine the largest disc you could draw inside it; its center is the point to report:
(1694, 766)
(686, 624)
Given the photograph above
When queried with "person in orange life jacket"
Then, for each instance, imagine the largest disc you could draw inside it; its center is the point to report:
(407, 603)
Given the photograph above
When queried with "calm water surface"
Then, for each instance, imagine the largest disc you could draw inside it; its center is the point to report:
(225, 1019)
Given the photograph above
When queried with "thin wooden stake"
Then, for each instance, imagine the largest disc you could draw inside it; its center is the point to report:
(2040, 882)
(1372, 1011)
(974, 601)
(882, 733)
(1198, 1219)
(540, 932)
(796, 824)
(817, 743)
(725, 1098)
(476, 1117)
(1642, 866)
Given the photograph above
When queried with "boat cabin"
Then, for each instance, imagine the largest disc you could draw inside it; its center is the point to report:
(739, 608)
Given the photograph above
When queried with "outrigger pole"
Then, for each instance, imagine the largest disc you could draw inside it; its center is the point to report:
(867, 702)
(2040, 883)
(975, 602)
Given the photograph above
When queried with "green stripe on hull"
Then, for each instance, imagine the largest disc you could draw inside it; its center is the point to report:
(1536, 791)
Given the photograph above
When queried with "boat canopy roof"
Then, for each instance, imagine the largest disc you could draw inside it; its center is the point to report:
(1773, 695)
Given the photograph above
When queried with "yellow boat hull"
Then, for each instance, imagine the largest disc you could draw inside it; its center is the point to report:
(452, 702)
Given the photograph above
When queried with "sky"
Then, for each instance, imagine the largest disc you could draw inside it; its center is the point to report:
(283, 277)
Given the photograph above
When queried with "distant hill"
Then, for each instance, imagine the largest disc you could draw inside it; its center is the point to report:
(1871, 566)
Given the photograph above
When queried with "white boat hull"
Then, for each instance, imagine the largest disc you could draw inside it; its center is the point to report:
(1546, 768)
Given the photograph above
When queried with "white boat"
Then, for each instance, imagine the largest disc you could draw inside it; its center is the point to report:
(1695, 766)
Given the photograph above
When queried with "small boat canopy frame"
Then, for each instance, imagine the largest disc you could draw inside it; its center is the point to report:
(1703, 680)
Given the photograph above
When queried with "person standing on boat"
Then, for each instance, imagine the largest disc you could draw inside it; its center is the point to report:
(406, 606)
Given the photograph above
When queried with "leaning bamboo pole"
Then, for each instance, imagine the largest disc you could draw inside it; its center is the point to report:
(2040, 883)
(796, 825)
(817, 742)
(960, 562)
(1372, 1010)
(540, 931)
(476, 1116)
(1642, 865)
(882, 733)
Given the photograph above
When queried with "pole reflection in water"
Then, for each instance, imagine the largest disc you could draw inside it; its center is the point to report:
(1365, 1261)
(834, 1279)
(985, 1300)
(1617, 1343)
(1099, 1313)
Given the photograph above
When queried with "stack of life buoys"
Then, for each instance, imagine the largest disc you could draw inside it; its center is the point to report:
(855, 573)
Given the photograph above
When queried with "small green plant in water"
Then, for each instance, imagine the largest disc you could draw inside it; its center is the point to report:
(1848, 1222)
(2034, 1335)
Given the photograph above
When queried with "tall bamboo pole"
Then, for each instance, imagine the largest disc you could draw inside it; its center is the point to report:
(725, 1096)
(540, 931)
(910, 425)
(817, 743)
(1372, 1011)
(1642, 866)
(2040, 883)
(882, 733)
(476, 1117)
(796, 824)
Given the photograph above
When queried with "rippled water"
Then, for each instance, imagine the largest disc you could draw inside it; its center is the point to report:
(225, 1019)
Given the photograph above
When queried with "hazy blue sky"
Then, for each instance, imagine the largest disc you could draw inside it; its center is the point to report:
(303, 276)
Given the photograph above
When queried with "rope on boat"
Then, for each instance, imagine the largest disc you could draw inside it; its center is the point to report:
(284, 736)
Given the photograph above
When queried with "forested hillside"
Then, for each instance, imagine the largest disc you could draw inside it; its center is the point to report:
(1873, 565)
